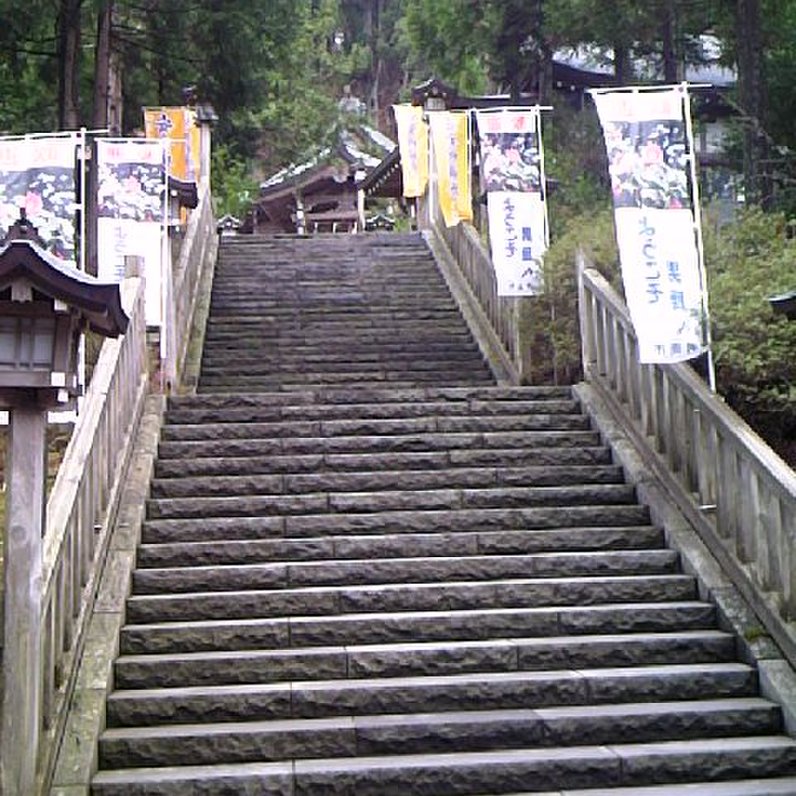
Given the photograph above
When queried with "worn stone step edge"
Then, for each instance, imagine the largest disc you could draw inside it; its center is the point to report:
(252, 411)
(302, 631)
(411, 443)
(401, 521)
(217, 667)
(377, 501)
(429, 693)
(416, 570)
(238, 485)
(428, 733)
(355, 598)
(348, 427)
(154, 553)
(492, 395)
(382, 462)
(448, 774)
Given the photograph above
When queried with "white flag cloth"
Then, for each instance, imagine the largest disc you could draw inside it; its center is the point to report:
(646, 141)
(131, 212)
(513, 179)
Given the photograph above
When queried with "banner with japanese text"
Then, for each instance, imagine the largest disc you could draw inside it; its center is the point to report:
(452, 159)
(512, 176)
(178, 125)
(38, 174)
(131, 212)
(646, 138)
(413, 146)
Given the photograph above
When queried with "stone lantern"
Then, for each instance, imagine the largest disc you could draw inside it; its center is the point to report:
(45, 304)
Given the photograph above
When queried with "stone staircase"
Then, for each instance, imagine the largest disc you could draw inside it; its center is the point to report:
(367, 569)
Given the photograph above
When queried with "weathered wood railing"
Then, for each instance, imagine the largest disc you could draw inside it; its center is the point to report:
(198, 251)
(84, 498)
(738, 494)
(474, 266)
(81, 506)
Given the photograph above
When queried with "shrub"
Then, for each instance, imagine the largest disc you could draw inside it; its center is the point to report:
(747, 261)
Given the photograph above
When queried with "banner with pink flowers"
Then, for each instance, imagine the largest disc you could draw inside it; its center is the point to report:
(38, 175)
(647, 138)
(131, 212)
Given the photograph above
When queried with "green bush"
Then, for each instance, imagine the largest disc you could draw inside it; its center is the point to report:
(754, 349)
(550, 321)
(748, 262)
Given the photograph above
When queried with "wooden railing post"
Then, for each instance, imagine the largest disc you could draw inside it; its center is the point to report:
(22, 638)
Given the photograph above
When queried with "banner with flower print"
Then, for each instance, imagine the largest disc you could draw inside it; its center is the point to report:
(38, 174)
(452, 160)
(131, 212)
(647, 138)
(512, 176)
(413, 146)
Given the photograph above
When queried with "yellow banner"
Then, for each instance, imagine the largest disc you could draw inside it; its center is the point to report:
(413, 146)
(452, 162)
(177, 124)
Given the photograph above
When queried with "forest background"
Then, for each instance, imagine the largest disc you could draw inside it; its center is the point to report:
(274, 71)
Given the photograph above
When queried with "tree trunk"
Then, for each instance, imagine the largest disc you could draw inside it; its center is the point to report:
(102, 65)
(623, 67)
(672, 72)
(69, 44)
(752, 99)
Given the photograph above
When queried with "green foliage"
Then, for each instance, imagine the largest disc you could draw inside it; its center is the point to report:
(748, 262)
(233, 187)
(576, 164)
(550, 321)
(447, 39)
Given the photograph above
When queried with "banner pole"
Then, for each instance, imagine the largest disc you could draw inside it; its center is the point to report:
(698, 233)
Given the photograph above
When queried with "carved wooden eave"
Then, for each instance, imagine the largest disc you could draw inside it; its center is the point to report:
(433, 88)
(22, 260)
(185, 191)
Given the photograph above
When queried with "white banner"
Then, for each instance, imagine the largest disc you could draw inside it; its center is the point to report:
(646, 137)
(131, 213)
(512, 175)
(37, 173)
(517, 241)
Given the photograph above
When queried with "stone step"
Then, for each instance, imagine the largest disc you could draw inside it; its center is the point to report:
(429, 733)
(350, 427)
(380, 462)
(301, 380)
(260, 358)
(364, 481)
(190, 630)
(469, 691)
(471, 773)
(408, 659)
(267, 409)
(484, 399)
(390, 500)
(394, 522)
(152, 553)
(392, 443)
(233, 386)
(301, 574)
(236, 600)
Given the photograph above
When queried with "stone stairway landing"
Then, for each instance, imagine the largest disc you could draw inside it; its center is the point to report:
(367, 569)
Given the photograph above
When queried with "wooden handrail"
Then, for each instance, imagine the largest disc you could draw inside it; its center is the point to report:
(738, 494)
(81, 508)
(84, 499)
